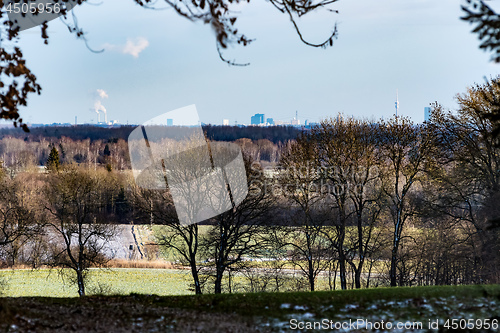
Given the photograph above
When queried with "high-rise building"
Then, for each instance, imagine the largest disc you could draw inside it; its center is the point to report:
(257, 119)
(225, 122)
(170, 122)
(270, 121)
(427, 113)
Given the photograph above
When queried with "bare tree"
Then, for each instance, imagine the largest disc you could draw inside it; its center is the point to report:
(349, 157)
(74, 200)
(20, 218)
(406, 150)
(183, 171)
(307, 233)
(469, 175)
(157, 206)
(240, 232)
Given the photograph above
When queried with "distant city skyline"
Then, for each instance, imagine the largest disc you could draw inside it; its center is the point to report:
(295, 121)
(156, 61)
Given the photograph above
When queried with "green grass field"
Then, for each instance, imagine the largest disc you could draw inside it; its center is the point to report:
(123, 281)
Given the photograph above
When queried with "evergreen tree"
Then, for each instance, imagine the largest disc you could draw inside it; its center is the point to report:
(53, 160)
(107, 152)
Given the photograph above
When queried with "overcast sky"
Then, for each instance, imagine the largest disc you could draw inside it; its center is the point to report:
(155, 61)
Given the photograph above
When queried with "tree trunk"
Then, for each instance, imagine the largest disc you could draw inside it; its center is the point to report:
(330, 282)
(342, 268)
(394, 258)
(81, 284)
(357, 276)
(359, 269)
(395, 246)
(194, 273)
(369, 275)
(311, 274)
(218, 280)
(342, 258)
(335, 278)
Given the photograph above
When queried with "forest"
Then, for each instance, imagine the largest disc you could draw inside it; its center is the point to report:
(275, 134)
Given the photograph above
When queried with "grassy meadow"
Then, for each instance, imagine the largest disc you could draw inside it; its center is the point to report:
(123, 281)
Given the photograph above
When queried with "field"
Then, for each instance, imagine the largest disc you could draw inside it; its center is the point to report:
(123, 281)
(416, 308)
(159, 300)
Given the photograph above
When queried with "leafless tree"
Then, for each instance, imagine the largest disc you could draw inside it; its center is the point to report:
(307, 233)
(157, 206)
(240, 232)
(407, 150)
(74, 200)
(469, 176)
(20, 218)
(184, 165)
(348, 156)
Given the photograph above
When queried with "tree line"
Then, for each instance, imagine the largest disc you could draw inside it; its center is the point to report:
(276, 134)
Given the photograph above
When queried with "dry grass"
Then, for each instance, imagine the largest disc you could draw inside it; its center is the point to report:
(114, 263)
(18, 266)
(155, 264)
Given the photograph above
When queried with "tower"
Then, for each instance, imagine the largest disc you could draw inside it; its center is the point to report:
(295, 121)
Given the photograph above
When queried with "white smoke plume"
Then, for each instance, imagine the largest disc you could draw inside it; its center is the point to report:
(98, 107)
(132, 46)
(101, 93)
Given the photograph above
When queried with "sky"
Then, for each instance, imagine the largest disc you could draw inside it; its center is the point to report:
(157, 61)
